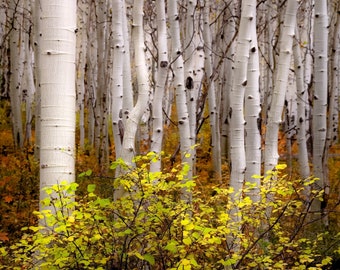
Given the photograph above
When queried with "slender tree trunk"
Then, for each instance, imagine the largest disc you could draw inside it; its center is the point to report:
(214, 113)
(58, 97)
(179, 84)
(302, 100)
(117, 75)
(280, 87)
(82, 42)
(16, 70)
(253, 118)
(236, 112)
(319, 121)
(36, 11)
(161, 77)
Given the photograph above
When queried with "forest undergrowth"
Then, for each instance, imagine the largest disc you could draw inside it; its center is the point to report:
(19, 199)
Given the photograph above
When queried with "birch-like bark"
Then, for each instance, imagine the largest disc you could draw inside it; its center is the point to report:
(192, 72)
(180, 92)
(58, 97)
(91, 73)
(82, 42)
(302, 100)
(134, 117)
(101, 101)
(29, 89)
(161, 77)
(117, 75)
(127, 73)
(213, 111)
(252, 111)
(280, 86)
(16, 70)
(319, 121)
(230, 30)
(333, 120)
(236, 112)
(37, 98)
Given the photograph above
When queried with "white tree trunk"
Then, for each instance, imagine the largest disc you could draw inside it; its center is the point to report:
(319, 121)
(213, 108)
(16, 70)
(82, 42)
(236, 112)
(161, 76)
(117, 75)
(333, 123)
(302, 100)
(57, 71)
(36, 42)
(280, 87)
(229, 32)
(180, 92)
(253, 117)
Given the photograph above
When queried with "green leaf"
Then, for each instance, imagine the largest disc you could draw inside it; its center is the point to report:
(172, 246)
(187, 241)
(149, 258)
(91, 188)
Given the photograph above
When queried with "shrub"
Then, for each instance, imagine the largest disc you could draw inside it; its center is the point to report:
(151, 228)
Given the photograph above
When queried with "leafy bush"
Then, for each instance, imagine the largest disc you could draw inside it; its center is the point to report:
(152, 228)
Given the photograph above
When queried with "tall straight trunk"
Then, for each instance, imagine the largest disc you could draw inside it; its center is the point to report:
(101, 101)
(117, 75)
(29, 90)
(236, 113)
(252, 113)
(302, 100)
(213, 111)
(16, 70)
(180, 91)
(82, 42)
(161, 77)
(333, 120)
(36, 10)
(58, 97)
(192, 60)
(128, 98)
(280, 86)
(229, 31)
(319, 121)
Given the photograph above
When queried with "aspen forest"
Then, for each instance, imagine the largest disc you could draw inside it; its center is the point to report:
(169, 134)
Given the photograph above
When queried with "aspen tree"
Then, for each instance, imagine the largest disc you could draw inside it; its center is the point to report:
(302, 100)
(134, 116)
(36, 10)
(117, 75)
(320, 93)
(57, 73)
(213, 115)
(16, 70)
(193, 63)
(91, 75)
(236, 112)
(280, 86)
(101, 100)
(82, 42)
(252, 113)
(333, 120)
(161, 77)
(228, 34)
(180, 91)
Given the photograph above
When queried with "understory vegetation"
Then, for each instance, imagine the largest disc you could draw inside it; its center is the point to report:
(151, 227)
